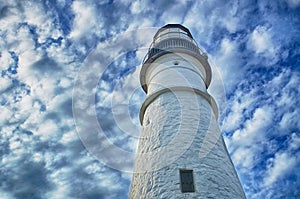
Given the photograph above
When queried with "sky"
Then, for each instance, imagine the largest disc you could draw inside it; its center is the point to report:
(70, 92)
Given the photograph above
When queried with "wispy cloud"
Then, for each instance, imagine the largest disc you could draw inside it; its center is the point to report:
(253, 46)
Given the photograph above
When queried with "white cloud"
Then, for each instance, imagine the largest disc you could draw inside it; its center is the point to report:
(14, 144)
(245, 141)
(61, 191)
(59, 178)
(27, 57)
(217, 90)
(244, 157)
(68, 137)
(23, 40)
(171, 17)
(231, 23)
(260, 41)
(6, 195)
(295, 141)
(53, 88)
(280, 165)
(227, 59)
(241, 102)
(24, 107)
(5, 116)
(4, 84)
(47, 129)
(121, 101)
(197, 18)
(44, 89)
(293, 3)
(284, 90)
(254, 127)
(35, 15)
(85, 22)
(229, 19)
(137, 6)
(289, 121)
(5, 60)
(65, 82)
(27, 13)
(204, 19)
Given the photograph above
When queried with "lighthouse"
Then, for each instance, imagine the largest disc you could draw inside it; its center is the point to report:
(181, 152)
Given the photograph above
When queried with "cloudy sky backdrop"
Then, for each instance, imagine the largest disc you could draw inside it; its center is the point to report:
(59, 53)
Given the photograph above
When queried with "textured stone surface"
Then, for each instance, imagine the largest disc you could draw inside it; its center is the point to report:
(180, 131)
(188, 117)
(163, 73)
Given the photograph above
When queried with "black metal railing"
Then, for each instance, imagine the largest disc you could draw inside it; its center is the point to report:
(171, 43)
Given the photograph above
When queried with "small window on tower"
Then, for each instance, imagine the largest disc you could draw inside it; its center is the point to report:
(187, 181)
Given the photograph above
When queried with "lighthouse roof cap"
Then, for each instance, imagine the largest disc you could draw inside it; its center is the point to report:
(174, 26)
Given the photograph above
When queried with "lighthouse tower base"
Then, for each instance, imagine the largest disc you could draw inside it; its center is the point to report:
(180, 134)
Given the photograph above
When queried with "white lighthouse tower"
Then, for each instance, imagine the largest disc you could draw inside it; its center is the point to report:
(181, 152)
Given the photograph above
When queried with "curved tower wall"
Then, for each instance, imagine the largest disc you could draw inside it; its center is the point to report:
(175, 69)
(181, 152)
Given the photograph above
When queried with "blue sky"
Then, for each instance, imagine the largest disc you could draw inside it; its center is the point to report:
(56, 55)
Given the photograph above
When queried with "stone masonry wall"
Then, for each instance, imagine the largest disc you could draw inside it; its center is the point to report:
(180, 132)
